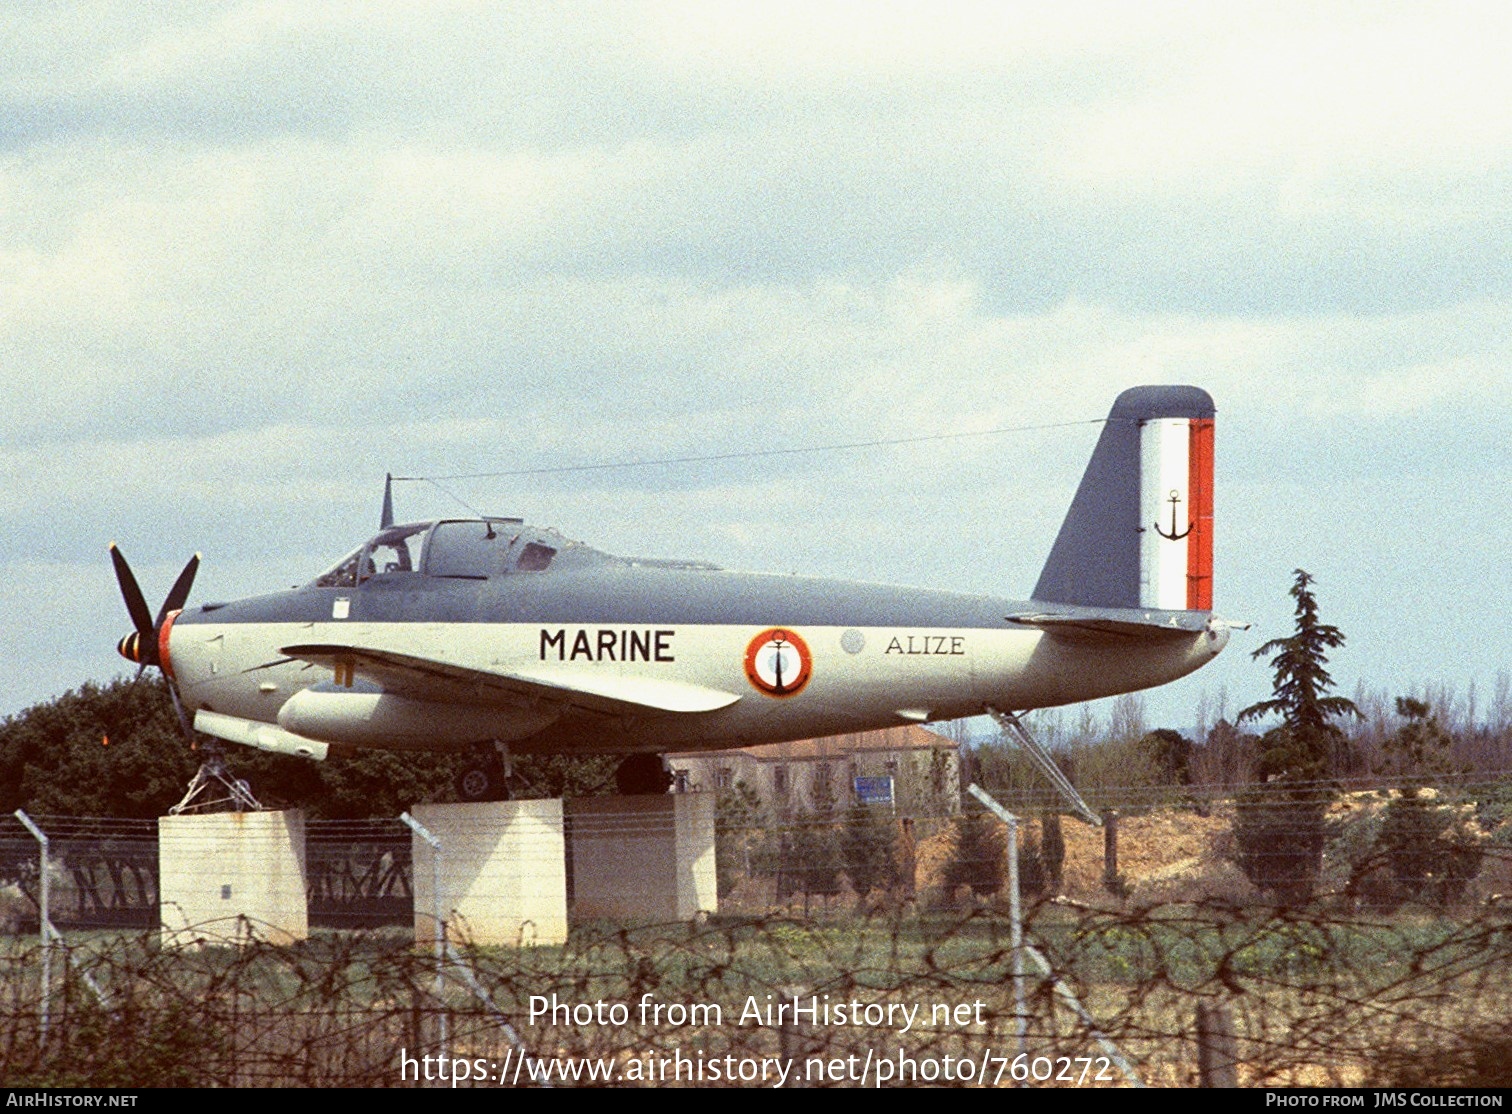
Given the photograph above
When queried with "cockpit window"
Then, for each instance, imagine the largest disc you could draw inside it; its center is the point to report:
(396, 550)
(343, 574)
(465, 549)
(393, 551)
(535, 557)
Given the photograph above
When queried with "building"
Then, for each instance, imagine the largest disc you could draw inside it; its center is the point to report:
(916, 771)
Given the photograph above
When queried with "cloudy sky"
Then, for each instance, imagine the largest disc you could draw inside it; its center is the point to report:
(255, 255)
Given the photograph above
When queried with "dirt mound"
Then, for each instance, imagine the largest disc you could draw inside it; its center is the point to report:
(1162, 856)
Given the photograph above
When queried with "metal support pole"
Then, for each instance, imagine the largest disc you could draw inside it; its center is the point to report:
(1020, 948)
(1015, 916)
(1098, 1035)
(435, 846)
(44, 921)
(1217, 1050)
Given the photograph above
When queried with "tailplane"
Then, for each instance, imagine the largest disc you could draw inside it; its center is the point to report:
(1139, 533)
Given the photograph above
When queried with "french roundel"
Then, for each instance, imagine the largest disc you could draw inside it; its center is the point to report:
(778, 662)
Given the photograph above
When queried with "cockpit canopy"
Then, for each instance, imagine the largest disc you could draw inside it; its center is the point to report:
(464, 549)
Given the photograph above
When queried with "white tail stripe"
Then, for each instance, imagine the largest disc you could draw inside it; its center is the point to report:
(1165, 512)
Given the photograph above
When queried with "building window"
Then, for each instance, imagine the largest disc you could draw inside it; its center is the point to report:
(679, 781)
(892, 766)
(780, 781)
(822, 796)
(724, 777)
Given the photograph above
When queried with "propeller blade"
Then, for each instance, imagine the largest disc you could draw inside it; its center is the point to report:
(180, 590)
(136, 606)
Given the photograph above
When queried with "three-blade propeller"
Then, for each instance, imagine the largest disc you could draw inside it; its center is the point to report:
(143, 645)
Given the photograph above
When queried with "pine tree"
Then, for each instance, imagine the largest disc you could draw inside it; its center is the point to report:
(1310, 740)
(979, 857)
(1279, 828)
(739, 821)
(1432, 859)
(809, 862)
(866, 849)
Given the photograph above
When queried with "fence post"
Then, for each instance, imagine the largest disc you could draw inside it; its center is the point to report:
(1016, 936)
(435, 846)
(1015, 916)
(44, 922)
(1111, 881)
(1217, 1050)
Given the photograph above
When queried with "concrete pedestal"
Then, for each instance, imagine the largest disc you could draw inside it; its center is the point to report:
(503, 873)
(231, 878)
(643, 860)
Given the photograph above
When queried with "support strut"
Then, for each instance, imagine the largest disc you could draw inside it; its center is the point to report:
(1010, 722)
(211, 778)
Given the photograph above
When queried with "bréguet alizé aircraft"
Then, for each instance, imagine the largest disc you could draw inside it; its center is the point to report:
(490, 634)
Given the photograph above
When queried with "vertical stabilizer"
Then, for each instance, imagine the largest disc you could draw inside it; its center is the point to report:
(1139, 533)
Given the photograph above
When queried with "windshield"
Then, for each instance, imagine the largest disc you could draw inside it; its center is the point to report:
(395, 550)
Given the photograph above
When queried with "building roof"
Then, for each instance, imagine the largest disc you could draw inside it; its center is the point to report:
(907, 737)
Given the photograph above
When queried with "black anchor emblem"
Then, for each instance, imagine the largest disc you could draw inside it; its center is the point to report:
(777, 645)
(1173, 535)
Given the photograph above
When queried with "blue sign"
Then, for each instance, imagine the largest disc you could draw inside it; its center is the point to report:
(874, 790)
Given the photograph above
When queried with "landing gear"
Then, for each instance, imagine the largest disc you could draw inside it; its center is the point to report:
(486, 776)
(641, 775)
(215, 790)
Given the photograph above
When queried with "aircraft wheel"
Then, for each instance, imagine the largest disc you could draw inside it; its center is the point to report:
(642, 775)
(482, 781)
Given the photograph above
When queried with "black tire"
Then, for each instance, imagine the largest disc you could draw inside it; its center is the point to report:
(642, 775)
(482, 781)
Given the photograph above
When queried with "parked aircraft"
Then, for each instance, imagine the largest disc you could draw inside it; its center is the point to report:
(495, 636)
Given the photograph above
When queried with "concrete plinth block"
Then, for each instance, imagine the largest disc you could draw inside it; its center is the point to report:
(644, 860)
(232, 878)
(503, 873)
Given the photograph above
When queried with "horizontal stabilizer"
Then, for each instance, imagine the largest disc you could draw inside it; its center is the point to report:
(447, 682)
(1104, 628)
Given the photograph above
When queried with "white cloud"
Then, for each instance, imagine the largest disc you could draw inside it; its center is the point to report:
(1366, 115)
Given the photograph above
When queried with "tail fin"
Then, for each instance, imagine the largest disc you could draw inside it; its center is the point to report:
(1139, 533)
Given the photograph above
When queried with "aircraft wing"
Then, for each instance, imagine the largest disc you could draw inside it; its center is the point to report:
(448, 682)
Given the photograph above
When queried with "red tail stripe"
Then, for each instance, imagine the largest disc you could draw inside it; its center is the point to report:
(1200, 493)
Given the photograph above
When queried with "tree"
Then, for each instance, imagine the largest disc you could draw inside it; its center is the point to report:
(1432, 858)
(979, 855)
(808, 862)
(1171, 752)
(738, 823)
(1310, 739)
(866, 850)
(117, 750)
(1279, 826)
